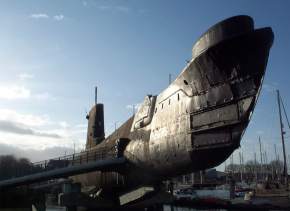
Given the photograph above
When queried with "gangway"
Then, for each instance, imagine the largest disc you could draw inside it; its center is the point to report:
(65, 166)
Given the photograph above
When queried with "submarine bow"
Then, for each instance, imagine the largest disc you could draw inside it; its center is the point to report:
(225, 76)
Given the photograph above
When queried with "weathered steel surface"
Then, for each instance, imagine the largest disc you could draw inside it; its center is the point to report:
(96, 131)
(196, 122)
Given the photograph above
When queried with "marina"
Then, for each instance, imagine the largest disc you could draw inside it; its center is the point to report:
(214, 138)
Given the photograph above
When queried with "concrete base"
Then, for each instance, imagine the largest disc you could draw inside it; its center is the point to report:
(134, 195)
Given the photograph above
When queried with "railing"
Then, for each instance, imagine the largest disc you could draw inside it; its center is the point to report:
(65, 161)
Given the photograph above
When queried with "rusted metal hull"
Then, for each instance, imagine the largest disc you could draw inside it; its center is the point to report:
(198, 121)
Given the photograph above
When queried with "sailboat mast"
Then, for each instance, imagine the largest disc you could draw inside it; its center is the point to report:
(285, 172)
(261, 170)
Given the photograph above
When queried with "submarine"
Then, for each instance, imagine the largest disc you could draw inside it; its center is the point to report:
(196, 122)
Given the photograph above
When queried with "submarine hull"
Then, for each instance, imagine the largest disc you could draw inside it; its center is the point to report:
(217, 128)
(198, 121)
(200, 118)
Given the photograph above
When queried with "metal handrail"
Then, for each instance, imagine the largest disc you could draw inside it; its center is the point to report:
(75, 159)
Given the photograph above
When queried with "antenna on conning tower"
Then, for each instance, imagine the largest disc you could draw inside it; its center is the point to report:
(96, 95)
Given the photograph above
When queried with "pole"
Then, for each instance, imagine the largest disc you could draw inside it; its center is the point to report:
(225, 166)
(255, 168)
(285, 172)
(289, 160)
(232, 163)
(241, 173)
(169, 79)
(96, 95)
(285, 112)
(276, 155)
(266, 163)
(243, 164)
(261, 170)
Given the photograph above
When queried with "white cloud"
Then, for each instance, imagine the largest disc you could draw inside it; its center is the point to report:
(39, 16)
(20, 92)
(38, 131)
(41, 138)
(36, 155)
(11, 92)
(25, 76)
(58, 17)
(15, 128)
(24, 119)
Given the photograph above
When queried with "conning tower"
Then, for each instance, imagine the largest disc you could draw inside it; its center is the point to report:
(96, 131)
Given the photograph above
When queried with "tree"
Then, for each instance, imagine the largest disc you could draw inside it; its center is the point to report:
(13, 167)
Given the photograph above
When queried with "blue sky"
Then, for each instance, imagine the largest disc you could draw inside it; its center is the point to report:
(53, 53)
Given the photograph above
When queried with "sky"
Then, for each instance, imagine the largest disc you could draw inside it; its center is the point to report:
(53, 53)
